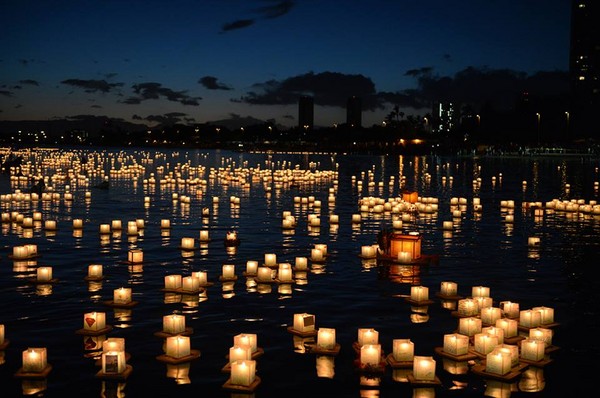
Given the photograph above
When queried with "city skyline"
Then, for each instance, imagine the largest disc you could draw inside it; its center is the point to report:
(156, 62)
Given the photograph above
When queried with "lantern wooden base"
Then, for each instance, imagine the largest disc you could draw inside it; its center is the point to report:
(249, 274)
(418, 302)
(540, 364)
(93, 278)
(10, 256)
(448, 297)
(34, 281)
(549, 325)
(379, 368)
(34, 375)
(480, 370)
(284, 282)
(127, 262)
(162, 334)
(325, 351)
(374, 256)
(188, 249)
(423, 383)
(266, 281)
(99, 332)
(276, 265)
(231, 279)
(459, 358)
(309, 333)
(456, 314)
(194, 354)
(242, 389)
(131, 304)
(4, 345)
(181, 291)
(115, 376)
(296, 269)
(398, 364)
(513, 339)
(207, 284)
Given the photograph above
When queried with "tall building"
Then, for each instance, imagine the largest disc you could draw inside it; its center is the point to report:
(354, 112)
(445, 117)
(306, 112)
(584, 67)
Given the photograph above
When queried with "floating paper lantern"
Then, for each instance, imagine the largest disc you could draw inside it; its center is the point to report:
(44, 274)
(135, 256)
(251, 267)
(480, 291)
(243, 373)
(173, 282)
(113, 362)
(356, 218)
(246, 340)
(532, 350)
(448, 288)
(510, 309)
(456, 344)
(468, 307)
(498, 362)
(239, 353)
(165, 223)
(424, 368)
(2, 340)
(530, 318)
(447, 225)
(188, 243)
(370, 355)
(403, 350)
(104, 229)
(485, 343)
(367, 336)
(34, 360)
(326, 338)
(116, 225)
(50, 225)
(190, 284)
(547, 313)
(542, 334)
(419, 293)
(533, 241)
(174, 324)
(132, 228)
(204, 235)
(410, 243)
(264, 274)
(368, 251)
(490, 315)
(404, 257)
(513, 352)
(122, 295)
(469, 326)
(301, 264)
(228, 271)
(509, 326)
(20, 252)
(94, 321)
(304, 322)
(270, 259)
(284, 274)
(178, 346)
(316, 255)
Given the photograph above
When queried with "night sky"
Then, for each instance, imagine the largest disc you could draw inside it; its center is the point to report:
(201, 61)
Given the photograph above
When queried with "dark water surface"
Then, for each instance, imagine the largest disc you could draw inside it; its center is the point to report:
(345, 292)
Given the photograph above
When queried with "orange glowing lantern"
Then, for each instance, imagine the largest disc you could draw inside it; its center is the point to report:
(409, 243)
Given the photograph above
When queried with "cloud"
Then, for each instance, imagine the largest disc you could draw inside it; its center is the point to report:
(211, 83)
(239, 24)
(29, 82)
(327, 89)
(274, 9)
(169, 118)
(92, 86)
(151, 90)
(6, 93)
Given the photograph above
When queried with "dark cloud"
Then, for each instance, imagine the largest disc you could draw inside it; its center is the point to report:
(137, 117)
(290, 117)
(25, 62)
(29, 82)
(151, 90)
(96, 106)
(110, 75)
(92, 86)
(239, 24)
(426, 70)
(162, 119)
(18, 106)
(276, 10)
(327, 89)
(211, 83)
(6, 93)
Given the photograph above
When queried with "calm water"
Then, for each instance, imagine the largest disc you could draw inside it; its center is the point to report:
(345, 292)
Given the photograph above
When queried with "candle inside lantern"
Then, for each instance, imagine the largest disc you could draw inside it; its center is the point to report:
(173, 282)
(367, 336)
(498, 362)
(542, 334)
(135, 256)
(34, 360)
(326, 338)
(547, 314)
(530, 318)
(403, 350)
(424, 368)
(243, 373)
(480, 291)
(202, 277)
(95, 271)
(246, 340)
(469, 326)
(122, 295)
(228, 271)
(178, 346)
(485, 343)
(419, 293)
(490, 315)
(94, 321)
(456, 344)
(239, 353)
(448, 288)
(512, 350)
(494, 331)
(370, 355)
(510, 326)
(270, 259)
(188, 243)
(532, 350)
(301, 263)
(511, 309)
(44, 274)
(174, 324)
(304, 322)
(404, 257)
(190, 283)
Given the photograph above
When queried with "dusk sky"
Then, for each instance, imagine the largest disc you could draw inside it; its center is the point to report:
(200, 61)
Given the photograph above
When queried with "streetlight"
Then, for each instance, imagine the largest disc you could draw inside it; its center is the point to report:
(538, 116)
(568, 120)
